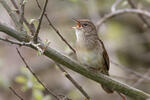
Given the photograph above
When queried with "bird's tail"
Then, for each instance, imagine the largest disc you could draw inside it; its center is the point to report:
(107, 89)
(111, 91)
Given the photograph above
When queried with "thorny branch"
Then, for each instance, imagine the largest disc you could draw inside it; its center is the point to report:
(15, 93)
(55, 29)
(27, 66)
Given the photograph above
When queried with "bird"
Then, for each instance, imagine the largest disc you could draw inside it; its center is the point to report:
(90, 49)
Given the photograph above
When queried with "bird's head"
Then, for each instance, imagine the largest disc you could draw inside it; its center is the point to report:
(85, 26)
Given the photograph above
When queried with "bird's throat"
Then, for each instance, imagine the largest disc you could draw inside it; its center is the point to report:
(79, 35)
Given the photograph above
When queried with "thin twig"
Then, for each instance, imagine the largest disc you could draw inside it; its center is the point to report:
(15, 42)
(136, 94)
(131, 71)
(15, 6)
(73, 81)
(40, 21)
(114, 6)
(31, 27)
(22, 6)
(140, 15)
(139, 81)
(123, 11)
(27, 66)
(11, 14)
(55, 29)
(15, 93)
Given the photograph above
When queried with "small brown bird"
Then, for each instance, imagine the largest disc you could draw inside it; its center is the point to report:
(90, 49)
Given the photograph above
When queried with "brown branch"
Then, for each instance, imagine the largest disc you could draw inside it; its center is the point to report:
(114, 6)
(73, 81)
(31, 27)
(40, 21)
(22, 7)
(13, 16)
(15, 93)
(14, 42)
(27, 66)
(136, 94)
(15, 6)
(129, 70)
(140, 15)
(120, 12)
(55, 29)
(139, 81)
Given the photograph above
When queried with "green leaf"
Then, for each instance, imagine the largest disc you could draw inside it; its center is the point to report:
(38, 86)
(38, 95)
(21, 79)
(39, 53)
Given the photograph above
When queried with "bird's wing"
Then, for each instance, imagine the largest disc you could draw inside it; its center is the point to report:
(105, 55)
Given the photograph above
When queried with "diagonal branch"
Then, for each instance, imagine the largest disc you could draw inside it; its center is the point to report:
(15, 93)
(27, 66)
(139, 81)
(40, 21)
(140, 15)
(55, 29)
(60, 67)
(75, 66)
(31, 27)
(73, 81)
(131, 71)
(11, 14)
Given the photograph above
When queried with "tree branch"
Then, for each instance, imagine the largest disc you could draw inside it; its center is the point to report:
(11, 14)
(55, 29)
(120, 12)
(31, 26)
(15, 93)
(27, 66)
(75, 66)
(140, 15)
(114, 6)
(40, 21)
(73, 82)
(22, 8)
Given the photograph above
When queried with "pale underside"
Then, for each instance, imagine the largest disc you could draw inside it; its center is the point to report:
(90, 52)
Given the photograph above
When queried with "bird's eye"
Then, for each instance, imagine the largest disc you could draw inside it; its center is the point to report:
(85, 24)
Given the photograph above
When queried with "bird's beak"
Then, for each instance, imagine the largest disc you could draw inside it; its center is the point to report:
(78, 24)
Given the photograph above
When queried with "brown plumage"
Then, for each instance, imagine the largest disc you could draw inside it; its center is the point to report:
(90, 49)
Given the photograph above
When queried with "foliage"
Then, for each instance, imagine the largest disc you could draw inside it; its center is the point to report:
(29, 82)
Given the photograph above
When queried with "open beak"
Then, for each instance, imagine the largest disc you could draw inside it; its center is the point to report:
(78, 24)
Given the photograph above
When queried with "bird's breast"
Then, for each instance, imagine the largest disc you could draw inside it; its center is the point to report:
(92, 57)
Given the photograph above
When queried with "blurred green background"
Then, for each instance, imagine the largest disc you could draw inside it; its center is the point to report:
(126, 38)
